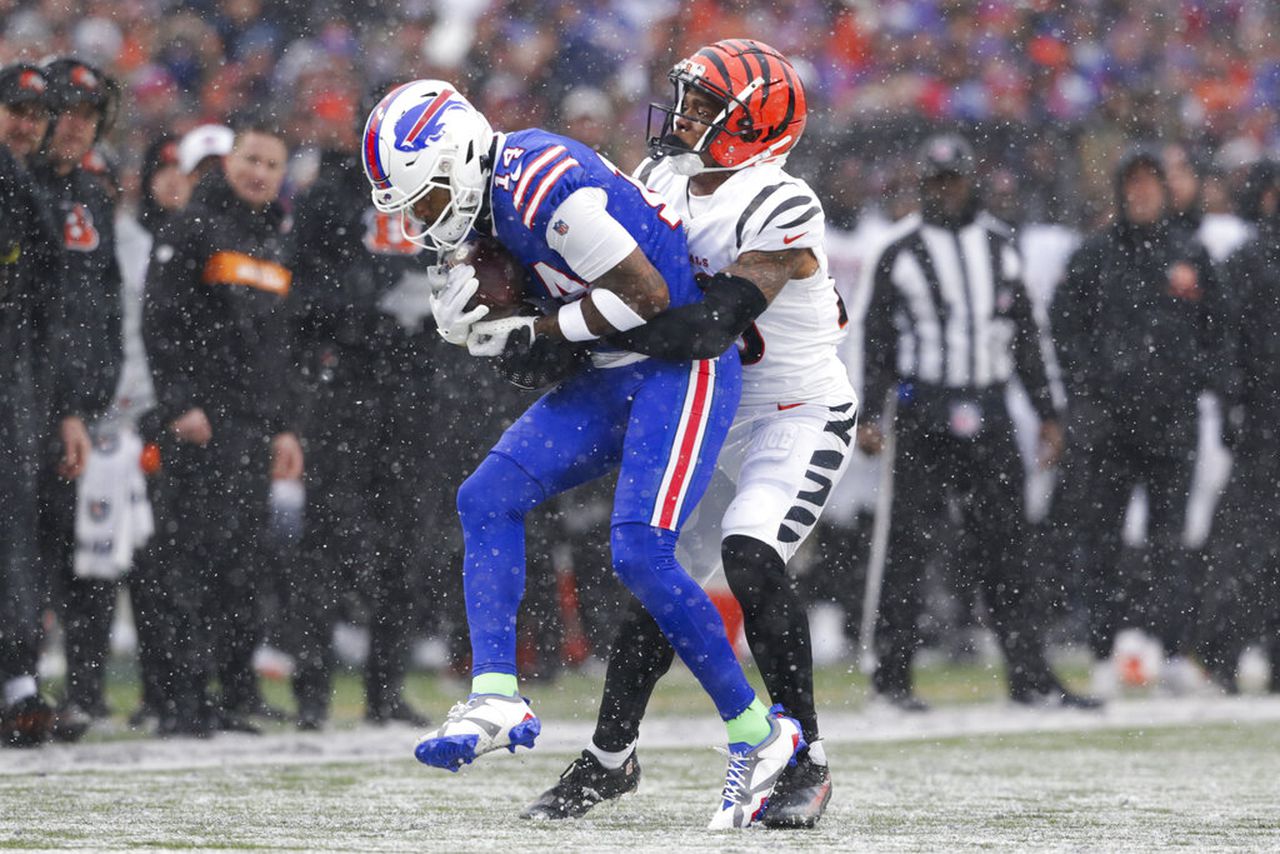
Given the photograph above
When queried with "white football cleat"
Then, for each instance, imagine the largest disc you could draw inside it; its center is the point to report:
(754, 770)
(477, 725)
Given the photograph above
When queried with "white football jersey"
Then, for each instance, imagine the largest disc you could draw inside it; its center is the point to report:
(789, 353)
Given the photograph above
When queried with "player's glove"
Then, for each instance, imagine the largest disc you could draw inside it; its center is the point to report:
(437, 278)
(526, 360)
(449, 306)
(548, 362)
(509, 336)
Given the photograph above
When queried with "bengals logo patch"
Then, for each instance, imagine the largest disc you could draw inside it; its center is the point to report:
(78, 231)
(384, 235)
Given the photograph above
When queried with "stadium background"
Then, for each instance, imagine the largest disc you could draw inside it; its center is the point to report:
(1052, 89)
(1051, 92)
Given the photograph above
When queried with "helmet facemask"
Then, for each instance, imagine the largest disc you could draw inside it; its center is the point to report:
(450, 228)
(686, 76)
(760, 112)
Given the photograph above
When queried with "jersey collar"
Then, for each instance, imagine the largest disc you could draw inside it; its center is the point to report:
(495, 156)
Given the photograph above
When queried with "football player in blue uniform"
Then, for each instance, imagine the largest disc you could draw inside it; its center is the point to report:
(611, 255)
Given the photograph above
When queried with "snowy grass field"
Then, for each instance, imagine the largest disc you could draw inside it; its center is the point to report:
(1203, 787)
(1146, 774)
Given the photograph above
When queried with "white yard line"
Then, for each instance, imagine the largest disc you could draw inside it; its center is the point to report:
(366, 744)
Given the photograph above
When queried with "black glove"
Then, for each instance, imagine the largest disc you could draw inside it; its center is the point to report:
(544, 362)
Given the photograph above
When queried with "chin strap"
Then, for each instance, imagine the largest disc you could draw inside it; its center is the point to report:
(691, 164)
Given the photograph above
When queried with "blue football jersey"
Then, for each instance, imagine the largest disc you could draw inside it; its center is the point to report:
(535, 171)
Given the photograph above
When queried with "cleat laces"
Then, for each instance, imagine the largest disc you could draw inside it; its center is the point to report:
(735, 777)
(458, 711)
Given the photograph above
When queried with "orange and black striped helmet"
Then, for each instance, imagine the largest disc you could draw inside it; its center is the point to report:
(764, 109)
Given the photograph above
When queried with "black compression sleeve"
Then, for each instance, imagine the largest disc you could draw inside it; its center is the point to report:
(700, 330)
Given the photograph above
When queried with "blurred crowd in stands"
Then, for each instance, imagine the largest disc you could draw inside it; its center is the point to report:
(1075, 78)
(227, 126)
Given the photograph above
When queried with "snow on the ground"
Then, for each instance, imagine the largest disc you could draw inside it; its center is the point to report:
(877, 724)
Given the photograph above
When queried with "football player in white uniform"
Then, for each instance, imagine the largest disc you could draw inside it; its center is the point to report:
(755, 235)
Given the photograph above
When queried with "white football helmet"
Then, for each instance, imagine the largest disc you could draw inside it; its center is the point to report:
(424, 135)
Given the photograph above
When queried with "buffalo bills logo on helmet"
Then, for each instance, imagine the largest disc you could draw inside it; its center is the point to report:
(373, 128)
(424, 124)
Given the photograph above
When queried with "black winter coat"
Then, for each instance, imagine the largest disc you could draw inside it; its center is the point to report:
(349, 259)
(1253, 336)
(89, 345)
(30, 306)
(30, 267)
(216, 322)
(1138, 326)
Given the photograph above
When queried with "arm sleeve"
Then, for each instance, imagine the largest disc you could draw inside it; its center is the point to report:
(47, 308)
(170, 326)
(1237, 341)
(1215, 335)
(700, 330)
(880, 338)
(289, 395)
(1069, 323)
(586, 236)
(1028, 342)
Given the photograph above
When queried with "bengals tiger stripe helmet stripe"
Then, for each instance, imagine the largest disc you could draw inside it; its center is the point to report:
(764, 108)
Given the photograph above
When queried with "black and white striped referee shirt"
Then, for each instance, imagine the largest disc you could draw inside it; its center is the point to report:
(949, 312)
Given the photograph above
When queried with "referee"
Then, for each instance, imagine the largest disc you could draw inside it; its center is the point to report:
(948, 322)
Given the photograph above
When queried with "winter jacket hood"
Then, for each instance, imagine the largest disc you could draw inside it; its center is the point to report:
(1139, 156)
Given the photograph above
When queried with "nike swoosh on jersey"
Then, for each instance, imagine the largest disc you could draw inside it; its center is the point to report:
(782, 407)
(793, 238)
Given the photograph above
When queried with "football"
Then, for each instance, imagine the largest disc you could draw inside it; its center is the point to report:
(500, 274)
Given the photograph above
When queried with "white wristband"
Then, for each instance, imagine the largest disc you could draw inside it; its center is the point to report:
(573, 324)
(621, 316)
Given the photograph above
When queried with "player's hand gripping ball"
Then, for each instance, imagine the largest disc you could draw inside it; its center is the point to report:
(511, 337)
(452, 293)
(500, 274)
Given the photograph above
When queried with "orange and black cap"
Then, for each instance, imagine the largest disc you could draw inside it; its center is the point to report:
(21, 83)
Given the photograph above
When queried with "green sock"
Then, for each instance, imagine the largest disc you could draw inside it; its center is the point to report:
(495, 683)
(752, 726)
